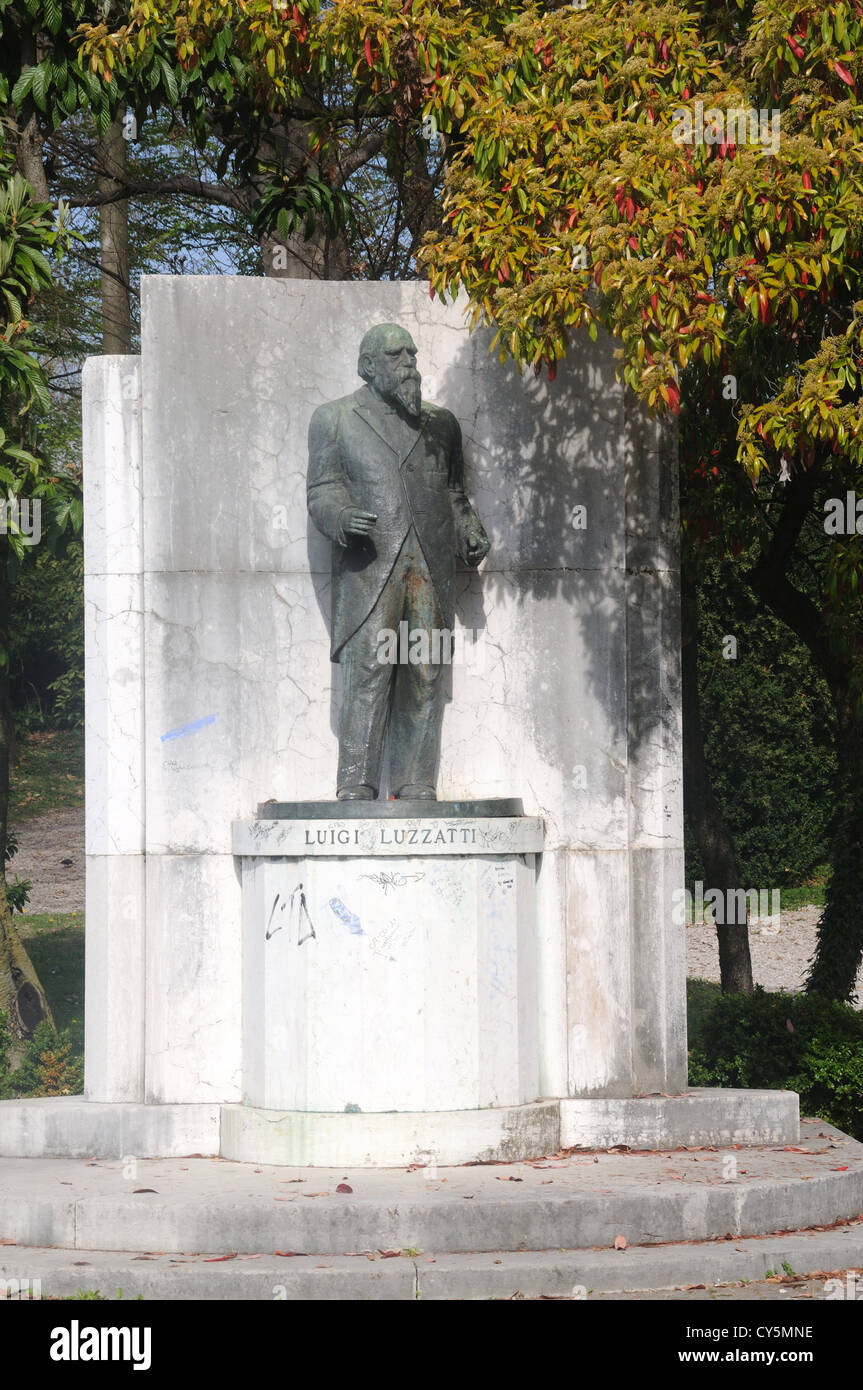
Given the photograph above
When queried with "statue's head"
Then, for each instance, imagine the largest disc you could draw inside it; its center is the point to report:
(388, 362)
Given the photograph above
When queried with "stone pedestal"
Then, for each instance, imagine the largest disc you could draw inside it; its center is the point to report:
(210, 689)
(389, 964)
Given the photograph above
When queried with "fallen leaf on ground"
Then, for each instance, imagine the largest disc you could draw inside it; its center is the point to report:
(344, 1187)
(217, 1259)
(620, 1242)
(291, 1254)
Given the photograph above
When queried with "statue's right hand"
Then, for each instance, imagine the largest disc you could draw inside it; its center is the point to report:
(355, 522)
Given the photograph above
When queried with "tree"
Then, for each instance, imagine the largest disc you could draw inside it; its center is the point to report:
(580, 194)
(718, 242)
(26, 231)
(290, 165)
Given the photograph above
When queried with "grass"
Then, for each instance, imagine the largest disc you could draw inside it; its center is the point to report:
(48, 774)
(55, 944)
(812, 893)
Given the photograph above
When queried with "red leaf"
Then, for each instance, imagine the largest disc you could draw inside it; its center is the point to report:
(217, 1259)
(843, 1168)
(389, 1254)
(807, 179)
(794, 46)
(844, 74)
(620, 1242)
(344, 1187)
(292, 1254)
(368, 50)
(788, 1024)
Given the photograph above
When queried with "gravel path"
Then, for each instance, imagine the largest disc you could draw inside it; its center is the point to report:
(43, 843)
(781, 949)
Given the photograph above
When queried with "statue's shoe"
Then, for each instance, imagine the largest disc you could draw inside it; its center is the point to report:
(361, 793)
(420, 792)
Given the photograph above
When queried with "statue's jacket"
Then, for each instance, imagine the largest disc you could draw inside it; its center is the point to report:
(356, 459)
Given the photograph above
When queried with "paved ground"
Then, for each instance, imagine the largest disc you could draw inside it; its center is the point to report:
(830, 1285)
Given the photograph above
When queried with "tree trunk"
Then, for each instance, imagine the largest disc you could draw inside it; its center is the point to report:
(22, 998)
(839, 949)
(26, 132)
(114, 236)
(702, 811)
(320, 256)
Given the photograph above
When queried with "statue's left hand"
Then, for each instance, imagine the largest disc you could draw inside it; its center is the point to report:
(475, 545)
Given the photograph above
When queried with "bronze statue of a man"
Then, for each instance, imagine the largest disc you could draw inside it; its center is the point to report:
(385, 483)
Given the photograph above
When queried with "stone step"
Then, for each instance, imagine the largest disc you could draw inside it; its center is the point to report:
(493, 1275)
(577, 1201)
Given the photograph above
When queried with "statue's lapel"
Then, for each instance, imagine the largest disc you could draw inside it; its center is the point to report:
(425, 416)
(378, 420)
(387, 427)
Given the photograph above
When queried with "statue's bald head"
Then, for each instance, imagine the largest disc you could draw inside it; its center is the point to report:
(387, 361)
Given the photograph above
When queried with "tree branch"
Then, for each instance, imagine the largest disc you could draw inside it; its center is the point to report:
(180, 183)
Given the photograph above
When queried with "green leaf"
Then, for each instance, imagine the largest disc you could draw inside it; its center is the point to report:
(40, 85)
(22, 86)
(170, 81)
(53, 15)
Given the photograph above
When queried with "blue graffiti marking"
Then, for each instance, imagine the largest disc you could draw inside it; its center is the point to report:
(188, 728)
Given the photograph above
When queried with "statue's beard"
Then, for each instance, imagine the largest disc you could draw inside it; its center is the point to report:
(406, 390)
